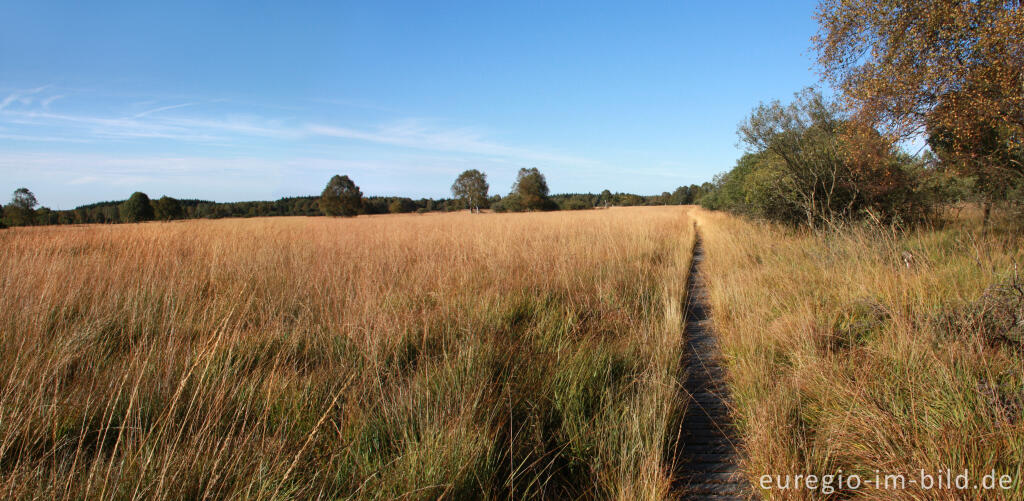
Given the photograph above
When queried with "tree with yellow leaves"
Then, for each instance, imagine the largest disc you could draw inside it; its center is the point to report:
(950, 70)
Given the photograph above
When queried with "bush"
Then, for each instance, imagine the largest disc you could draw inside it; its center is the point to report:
(510, 203)
(167, 208)
(136, 209)
(341, 197)
(401, 205)
(531, 190)
(576, 203)
(810, 164)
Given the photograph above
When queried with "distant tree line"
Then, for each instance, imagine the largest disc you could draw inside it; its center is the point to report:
(683, 195)
(341, 197)
(530, 193)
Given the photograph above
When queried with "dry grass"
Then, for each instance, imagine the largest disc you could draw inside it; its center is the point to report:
(458, 356)
(871, 350)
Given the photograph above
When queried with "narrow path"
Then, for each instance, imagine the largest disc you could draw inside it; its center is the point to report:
(709, 460)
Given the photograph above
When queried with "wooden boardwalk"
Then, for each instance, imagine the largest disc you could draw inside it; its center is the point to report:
(709, 460)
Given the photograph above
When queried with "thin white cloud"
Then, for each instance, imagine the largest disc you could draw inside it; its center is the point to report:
(8, 100)
(85, 168)
(39, 123)
(22, 97)
(352, 103)
(44, 118)
(415, 134)
(47, 139)
(45, 103)
(102, 165)
(163, 108)
(248, 126)
(110, 128)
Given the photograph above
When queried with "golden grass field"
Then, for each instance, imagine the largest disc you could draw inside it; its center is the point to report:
(410, 356)
(872, 350)
(497, 355)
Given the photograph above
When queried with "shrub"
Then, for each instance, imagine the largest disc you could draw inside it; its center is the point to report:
(167, 208)
(510, 203)
(401, 205)
(341, 197)
(531, 189)
(576, 203)
(810, 164)
(136, 209)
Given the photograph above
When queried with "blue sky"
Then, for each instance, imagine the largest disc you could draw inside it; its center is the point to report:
(258, 100)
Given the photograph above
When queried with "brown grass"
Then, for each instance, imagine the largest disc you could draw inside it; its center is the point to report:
(459, 356)
(872, 350)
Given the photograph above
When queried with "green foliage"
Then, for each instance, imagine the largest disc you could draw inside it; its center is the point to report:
(21, 210)
(531, 188)
(686, 195)
(810, 164)
(384, 205)
(167, 208)
(24, 199)
(341, 197)
(753, 187)
(948, 69)
(136, 209)
(993, 160)
(45, 216)
(107, 212)
(471, 187)
(628, 199)
(802, 138)
(577, 202)
(13, 216)
(401, 205)
(511, 203)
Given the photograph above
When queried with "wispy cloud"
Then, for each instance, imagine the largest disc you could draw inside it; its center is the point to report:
(241, 125)
(38, 138)
(8, 100)
(45, 103)
(24, 98)
(195, 123)
(354, 103)
(163, 108)
(140, 170)
(413, 133)
(99, 167)
(95, 176)
(100, 128)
